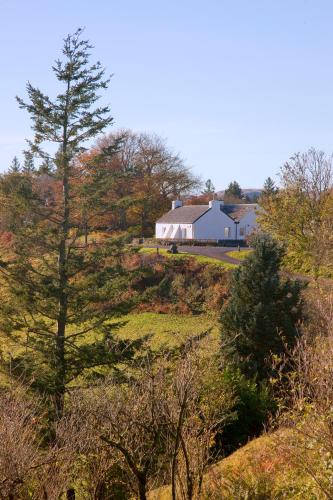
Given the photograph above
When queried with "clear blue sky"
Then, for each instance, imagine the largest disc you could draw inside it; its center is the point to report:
(236, 86)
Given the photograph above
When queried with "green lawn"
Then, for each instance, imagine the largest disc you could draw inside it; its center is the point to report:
(163, 331)
(166, 330)
(199, 258)
(239, 254)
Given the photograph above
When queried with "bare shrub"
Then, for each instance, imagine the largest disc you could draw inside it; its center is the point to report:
(307, 397)
(29, 467)
(196, 406)
(158, 428)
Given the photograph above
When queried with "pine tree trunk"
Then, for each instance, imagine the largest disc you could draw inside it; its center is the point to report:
(61, 332)
(60, 359)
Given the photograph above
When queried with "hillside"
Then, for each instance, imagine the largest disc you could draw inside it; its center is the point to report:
(262, 469)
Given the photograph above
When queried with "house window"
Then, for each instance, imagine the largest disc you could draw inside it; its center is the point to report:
(163, 229)
(184, 233)
(227, 232)
(242, 231)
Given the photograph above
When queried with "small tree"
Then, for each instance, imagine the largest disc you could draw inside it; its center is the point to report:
(263, 310)
(209, 188)
(233, 193)
(28, 166)
(15, 166)
(300, 214)
(197, 405)
(269, 187)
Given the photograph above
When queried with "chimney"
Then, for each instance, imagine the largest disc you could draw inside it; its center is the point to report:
(216, 204)
(176, 204)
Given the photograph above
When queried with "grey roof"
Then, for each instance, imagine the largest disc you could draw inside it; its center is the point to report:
(238, 211)
(190, 213)
(184, 215)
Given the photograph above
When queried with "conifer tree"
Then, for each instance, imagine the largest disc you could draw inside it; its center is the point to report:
(28, 166)
(263, 310)
(209, 188)
(233, 192)
(15, 166)
(269, 187)
(60, 289)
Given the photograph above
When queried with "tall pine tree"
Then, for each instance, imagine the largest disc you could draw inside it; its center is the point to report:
(60, 285)
(263, 310)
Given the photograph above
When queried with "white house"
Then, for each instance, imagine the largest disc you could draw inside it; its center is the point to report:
(215, 221)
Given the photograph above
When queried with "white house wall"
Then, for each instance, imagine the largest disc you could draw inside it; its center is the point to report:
(248, 222)
(212, 224)
(167, 230)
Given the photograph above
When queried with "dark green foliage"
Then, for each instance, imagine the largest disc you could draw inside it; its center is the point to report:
(15, 166)
(263, 310)
(269, 187)
(233, 191)
(29, 165)
(253, 405)
(70, 120)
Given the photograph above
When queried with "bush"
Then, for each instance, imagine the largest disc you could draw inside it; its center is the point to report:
(251, 410)
(182, 286)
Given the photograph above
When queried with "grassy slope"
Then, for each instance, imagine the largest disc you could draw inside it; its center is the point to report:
(199, 258)
(259, 470)
(167, 330)
(164, 331)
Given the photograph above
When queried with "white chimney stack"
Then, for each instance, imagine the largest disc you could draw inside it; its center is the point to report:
(176, 204)
(216, 204)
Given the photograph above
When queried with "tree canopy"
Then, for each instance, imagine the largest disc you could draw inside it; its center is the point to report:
(300, 214)
(147, 176)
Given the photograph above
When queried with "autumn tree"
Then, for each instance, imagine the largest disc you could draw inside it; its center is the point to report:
(59, 288)
(148, 175)
(300, 214)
